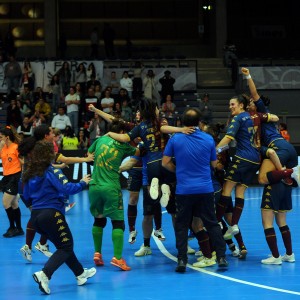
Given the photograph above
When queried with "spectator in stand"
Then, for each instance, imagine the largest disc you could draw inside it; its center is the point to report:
(54, 92)
(137, 82)
(64, 75)
(206, 109)
(107, 103)
(28, 76)
(26, 95)
(83, 140)
(122, 95)
(115, 85)
(81, 77)
(61, 120)
(12, 75)
(13, 114)
(150, 87)
(126, 111)
(97, 128)
(126, 83)
(90, 72)
(36, 120)
(94, 38)
(44, 109)
(72, 101)
(69, 140)
(25, 129)
(283, 131)
(229, 51)
(168, 108)
(98, 90)
(117, 111)
(92, 82)
(167, 86)
(108, 39)
(38, 94)
(90, 98)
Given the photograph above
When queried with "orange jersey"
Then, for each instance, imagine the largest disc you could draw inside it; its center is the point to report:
(10, 159)
(285, 135)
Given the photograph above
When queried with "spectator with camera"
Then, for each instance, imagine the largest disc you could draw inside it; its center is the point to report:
(167, 86)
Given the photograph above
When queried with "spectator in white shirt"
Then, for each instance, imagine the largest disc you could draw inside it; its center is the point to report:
(61, 120)
(126, 83)
(72, 101)
(107, 103)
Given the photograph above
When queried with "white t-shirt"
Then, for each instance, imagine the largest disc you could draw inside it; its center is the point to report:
(72, 107)
(107, 101)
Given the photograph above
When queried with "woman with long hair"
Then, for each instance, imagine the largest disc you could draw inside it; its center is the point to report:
(45, 187)
(9, 154)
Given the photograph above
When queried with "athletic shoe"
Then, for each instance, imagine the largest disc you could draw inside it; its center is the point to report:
(222, 262)
(231, 231)
(159, 234)
(26, 253)
(43, 249)
(132, 237)
(19, 231)
(121, 263)
(70, 206)
(296, 175)
(206, 262)
(235, 251)
(190, 250)
(11, 232)
(272, 261)
(243, 253)
(199, 253)
(98, 259)
(154, 188)
(181, 266)
(43, 281)
(87, 273)
(288, 258)
(213, 256)
(165, 190)
(143, 251)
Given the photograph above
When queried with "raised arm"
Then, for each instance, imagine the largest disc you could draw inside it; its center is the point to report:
(107, 117)
(120, 137)
(252, 87)
(172, 129)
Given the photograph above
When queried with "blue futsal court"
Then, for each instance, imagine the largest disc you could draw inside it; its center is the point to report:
(153, 277)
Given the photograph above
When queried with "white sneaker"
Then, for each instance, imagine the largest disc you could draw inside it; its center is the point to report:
(231, 231)
(143, 251)
(272, 261)
(166, 192)
(43, 248)
(288, 258)
(206, 262)
(199, 253)
(154, 188)
(132, 237)
(159, 234)
(235, 251)
(213, 254)
(43, 281)
(190, 250)
(70, 206)
(87, 273)
(26, 253)
(296, 174)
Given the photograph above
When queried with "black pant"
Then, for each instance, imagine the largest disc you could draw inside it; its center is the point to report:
(52, 223)
(201, 206)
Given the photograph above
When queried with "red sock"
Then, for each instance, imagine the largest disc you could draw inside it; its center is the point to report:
(30, 233)
(237, 210)
(272, 241)
(222, 206)
(203, 241)
(287, 239)
(131, 214)
(276, 175)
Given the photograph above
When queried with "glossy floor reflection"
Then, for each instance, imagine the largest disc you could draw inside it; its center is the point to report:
(153, 277)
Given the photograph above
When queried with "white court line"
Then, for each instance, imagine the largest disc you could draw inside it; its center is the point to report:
(165, 252)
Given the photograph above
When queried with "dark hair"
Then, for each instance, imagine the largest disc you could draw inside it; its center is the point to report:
(191, 117)
(40, 160)
(11, 132)
(266, 100)
(41, 131)
(283, 125)
(241, 99)
(117, 125)
(147, 110)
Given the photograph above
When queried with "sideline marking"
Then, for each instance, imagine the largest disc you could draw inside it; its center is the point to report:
(165, 252)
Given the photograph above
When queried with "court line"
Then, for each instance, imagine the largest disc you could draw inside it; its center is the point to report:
(165, 252)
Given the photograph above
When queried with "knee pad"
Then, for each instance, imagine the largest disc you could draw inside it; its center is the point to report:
(118, 224)
(100, 222)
